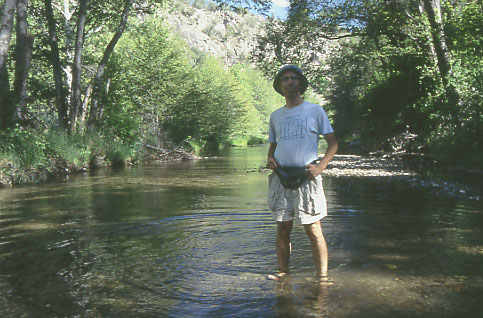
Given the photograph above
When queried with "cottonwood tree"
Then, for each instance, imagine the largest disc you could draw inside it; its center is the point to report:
(69, 27)
(90, 19)
(8, 17)
(13, 102)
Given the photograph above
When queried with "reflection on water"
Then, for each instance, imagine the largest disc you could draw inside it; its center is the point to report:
(194, 239)
(301, 298)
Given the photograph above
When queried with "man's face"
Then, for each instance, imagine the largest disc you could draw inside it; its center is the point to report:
(290, 84)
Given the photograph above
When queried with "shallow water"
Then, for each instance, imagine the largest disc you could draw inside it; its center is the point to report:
(194, 239)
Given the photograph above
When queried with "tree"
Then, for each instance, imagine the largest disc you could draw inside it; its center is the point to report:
(75, 97)
(12, 103)
(91, 22)
(150, 75)
(7, 21)
(23, 56)
(6, 30)
(432, 8)
(60, 86)
(389, 64)
(213, 109)
(95, 113)
(260, 91)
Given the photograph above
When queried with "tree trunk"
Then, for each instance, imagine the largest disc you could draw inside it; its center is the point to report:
(101, 108)
(69, 38)
(95, 112)
(76, 96)
(23, 56)
(6, 29)
(60, 90)
(22, 69)
(433, 10)
(85, 104)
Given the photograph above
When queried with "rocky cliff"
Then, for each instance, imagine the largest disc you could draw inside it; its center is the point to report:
(227, 35)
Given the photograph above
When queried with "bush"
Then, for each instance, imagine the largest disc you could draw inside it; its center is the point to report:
(26, 147)
(71, 149)
(109, 150)
(256, 140)
(119, 154)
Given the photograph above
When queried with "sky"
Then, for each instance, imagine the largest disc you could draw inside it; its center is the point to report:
(279, 8)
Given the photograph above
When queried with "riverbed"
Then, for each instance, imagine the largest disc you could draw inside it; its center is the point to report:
(195, 239)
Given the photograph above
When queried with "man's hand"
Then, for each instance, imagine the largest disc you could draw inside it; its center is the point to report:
(313, 171)
(272, 163)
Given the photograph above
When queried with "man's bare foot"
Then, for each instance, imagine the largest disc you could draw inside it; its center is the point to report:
(324, 280)
(277, 276)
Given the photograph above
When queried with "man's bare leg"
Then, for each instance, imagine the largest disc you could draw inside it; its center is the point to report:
(319, 249)
(284, 248)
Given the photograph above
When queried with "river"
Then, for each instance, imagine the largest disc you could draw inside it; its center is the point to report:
(195, 239)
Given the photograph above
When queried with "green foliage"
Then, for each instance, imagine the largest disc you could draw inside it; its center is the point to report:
(214, 108)
(260, 90)
(71, 149)
(254, 140)
(26, 147)
(384, 73)
(30, 155)
(154, 90)
(160, 88)
(102, 20)
(148, 72)
(107, 149)
(195, 145)
(118, 154)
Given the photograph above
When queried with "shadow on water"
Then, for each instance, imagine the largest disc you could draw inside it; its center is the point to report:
(194, 239)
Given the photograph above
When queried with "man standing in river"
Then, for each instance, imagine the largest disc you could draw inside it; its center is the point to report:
(296, 192)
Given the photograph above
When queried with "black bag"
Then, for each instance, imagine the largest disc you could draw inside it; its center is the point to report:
(291, 177)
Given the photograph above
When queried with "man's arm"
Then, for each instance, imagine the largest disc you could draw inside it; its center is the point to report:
(332, 145)
(272, 163)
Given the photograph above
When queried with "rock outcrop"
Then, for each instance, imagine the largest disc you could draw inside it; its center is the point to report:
(227, 35)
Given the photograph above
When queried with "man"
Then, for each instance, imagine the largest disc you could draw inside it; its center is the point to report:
(293, 136)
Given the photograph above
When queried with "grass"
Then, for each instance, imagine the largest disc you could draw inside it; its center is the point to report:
(29, 156)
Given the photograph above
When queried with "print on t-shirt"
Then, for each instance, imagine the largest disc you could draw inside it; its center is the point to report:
(293, 127)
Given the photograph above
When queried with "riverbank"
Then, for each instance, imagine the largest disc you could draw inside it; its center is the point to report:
(11, 174)
(364, 166)
(344, 165)
(417, 171)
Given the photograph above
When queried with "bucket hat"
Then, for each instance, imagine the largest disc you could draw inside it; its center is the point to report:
(304, 83)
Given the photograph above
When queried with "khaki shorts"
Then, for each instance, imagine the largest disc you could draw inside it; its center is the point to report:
(305, 205)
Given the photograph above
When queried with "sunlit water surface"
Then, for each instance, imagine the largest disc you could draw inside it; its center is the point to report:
(195, 239)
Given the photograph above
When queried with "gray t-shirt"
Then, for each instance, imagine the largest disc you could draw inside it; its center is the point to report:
(296, 132)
